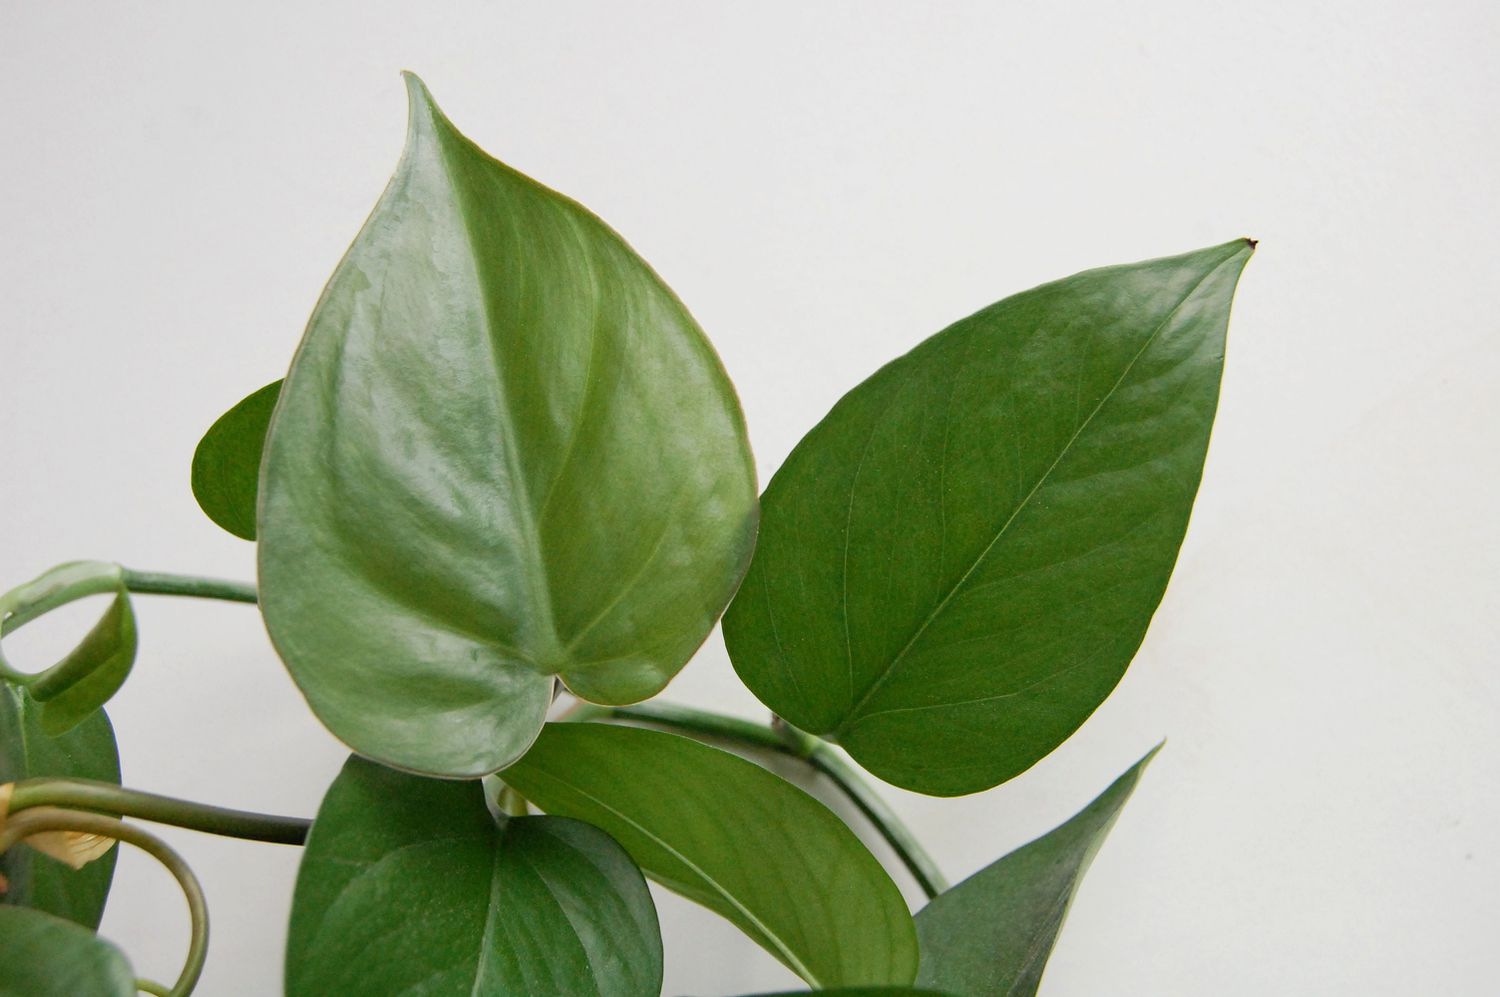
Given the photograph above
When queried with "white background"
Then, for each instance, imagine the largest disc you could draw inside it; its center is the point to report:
(825, 184)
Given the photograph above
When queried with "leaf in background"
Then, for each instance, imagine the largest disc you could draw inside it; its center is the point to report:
(990, 935)
(84, 680)
(731, 836)
(957, 564)
(226, 465)
(46, 956)
(28, 752)
(504, 452)
(409, 885)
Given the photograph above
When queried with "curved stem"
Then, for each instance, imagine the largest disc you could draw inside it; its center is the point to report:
(117, 801)
(152, 987)
(162, 583)
(23, 826)
(818, 754)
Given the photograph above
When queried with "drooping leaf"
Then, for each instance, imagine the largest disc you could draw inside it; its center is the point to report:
(409, 885)
(957, 564)
(86, 678)
(990, 935)
(226, 465)
(504, 452)
(731, 836)
(27, 751)
(46, 956)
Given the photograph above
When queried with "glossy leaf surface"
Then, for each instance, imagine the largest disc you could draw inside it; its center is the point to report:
(408, 885)
(957, 564)
(990, 935)
(28, 752)
(731, 836)
(226, 465)
(504, 452)
(46, 956)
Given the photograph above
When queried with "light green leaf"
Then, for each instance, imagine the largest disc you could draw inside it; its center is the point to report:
(84, 680)
(409, 885)
(504, 452)
(957, 564)
(226, 465)
(29, 752)
(46, 956)
(731, 836)
(990, 935)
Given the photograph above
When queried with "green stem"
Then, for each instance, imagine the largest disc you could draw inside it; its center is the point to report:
(116, 801)
(152, 987)
(23, 826)
(162, 583)
(788, 741)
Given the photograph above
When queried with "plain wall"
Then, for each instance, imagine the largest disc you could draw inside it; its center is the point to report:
(825, 184)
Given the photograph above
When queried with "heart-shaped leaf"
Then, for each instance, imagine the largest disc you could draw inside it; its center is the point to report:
(957, 564)
(27, 751)
(990, 935)
(409, 885)
(731, 836)
(504, 452)
(83, 681)
(226, 465)
(46, 956)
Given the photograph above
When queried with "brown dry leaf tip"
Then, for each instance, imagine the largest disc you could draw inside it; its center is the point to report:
(5, 792)
(75, 848)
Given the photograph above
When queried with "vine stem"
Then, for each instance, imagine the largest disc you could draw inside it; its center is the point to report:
(34, 821)
(783, 739)
(162, 583)
(117, 801)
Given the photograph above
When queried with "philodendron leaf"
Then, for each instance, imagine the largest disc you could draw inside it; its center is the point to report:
(409, 885)
(83, 681)
(731, 836)
(27, 751)
(504, 452)
(46, 956)
(226, 465)
(990, 935)
(957, 564)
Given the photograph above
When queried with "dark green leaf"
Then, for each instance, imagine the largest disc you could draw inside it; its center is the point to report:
(957, 564)
(990, 935)
(226, 465)
(731, 836)
(408, 885)
(28, 752)
(84, 680)
(504, 452)
(46, 956)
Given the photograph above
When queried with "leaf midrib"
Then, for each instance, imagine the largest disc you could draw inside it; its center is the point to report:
(853, 714)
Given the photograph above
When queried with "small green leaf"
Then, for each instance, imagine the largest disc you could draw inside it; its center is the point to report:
(226, 465)
(46, 956)
(957, 564)
(990, 935)
(504, 452)
(29, 752)
(409, 885)
(84, 680)
(731, 836)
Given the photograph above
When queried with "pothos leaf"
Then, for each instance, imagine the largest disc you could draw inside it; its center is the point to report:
(27, 751)
(409, 885)
(504, 453)
(46, 956)
(226, 465)
(957, 564)
(990, 935)
(735, 838)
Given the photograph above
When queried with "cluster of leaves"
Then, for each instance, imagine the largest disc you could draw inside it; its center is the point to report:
(506, 461)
